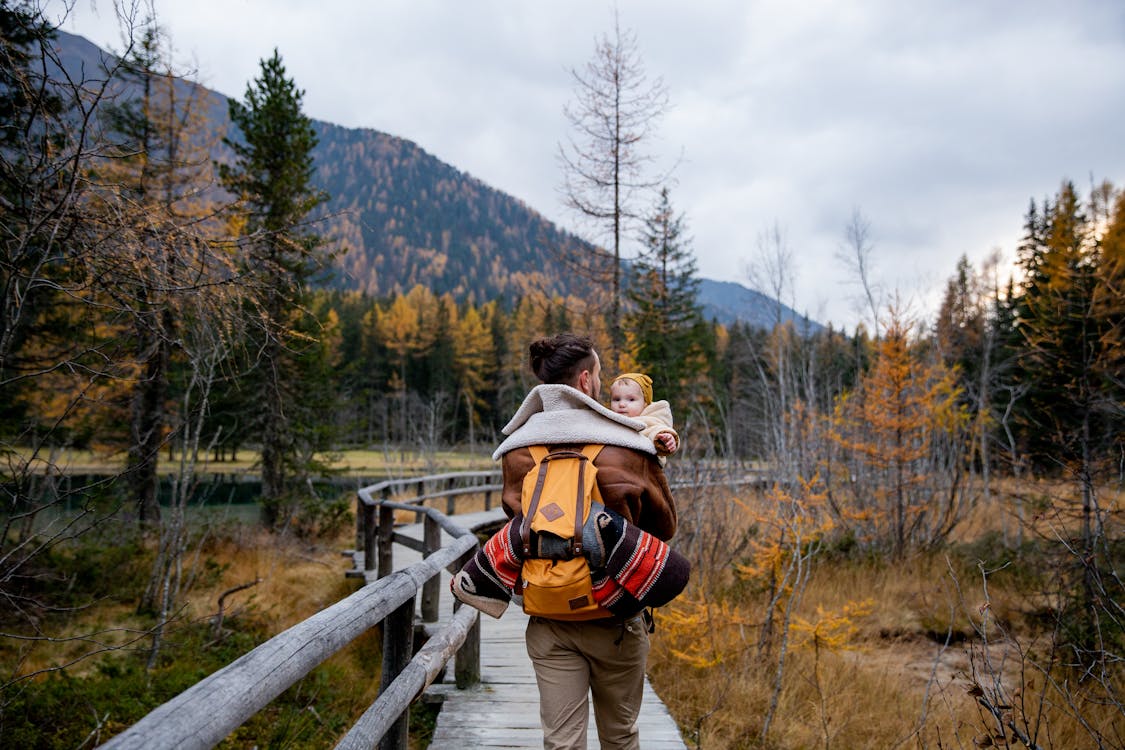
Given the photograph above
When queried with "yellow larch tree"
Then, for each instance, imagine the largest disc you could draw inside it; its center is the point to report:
(903, 478)
(474, 359)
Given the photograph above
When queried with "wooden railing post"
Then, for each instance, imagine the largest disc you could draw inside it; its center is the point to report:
(467, 666)
(360, 539)
(431, 589)
(466, 663)
(398, 648)
(386, 538)
(451, 501)
(370, 531)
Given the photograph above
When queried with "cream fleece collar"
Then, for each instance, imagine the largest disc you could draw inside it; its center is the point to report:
(554, 414)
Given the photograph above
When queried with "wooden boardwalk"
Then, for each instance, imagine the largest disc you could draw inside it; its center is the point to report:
(503, 711)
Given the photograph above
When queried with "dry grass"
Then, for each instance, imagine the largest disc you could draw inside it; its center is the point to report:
(293, 581)
(889, 678)
(354, 462)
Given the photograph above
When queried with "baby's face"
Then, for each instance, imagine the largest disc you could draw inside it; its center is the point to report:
(625, 397)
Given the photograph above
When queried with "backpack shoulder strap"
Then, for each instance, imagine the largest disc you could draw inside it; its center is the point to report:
(538, 454)
(590, 452)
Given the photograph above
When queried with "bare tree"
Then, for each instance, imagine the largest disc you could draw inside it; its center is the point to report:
(211, 330)
(856, 256)
(53, 365)
(154, 175)
(771, 270)
(605, 165)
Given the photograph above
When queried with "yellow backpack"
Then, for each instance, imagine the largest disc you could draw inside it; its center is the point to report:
(557, 494)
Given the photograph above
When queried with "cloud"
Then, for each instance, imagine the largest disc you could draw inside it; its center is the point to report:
(938, 119)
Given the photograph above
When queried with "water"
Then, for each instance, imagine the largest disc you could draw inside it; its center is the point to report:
(215, 497)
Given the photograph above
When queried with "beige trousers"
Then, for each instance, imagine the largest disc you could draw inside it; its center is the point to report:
(573, 660)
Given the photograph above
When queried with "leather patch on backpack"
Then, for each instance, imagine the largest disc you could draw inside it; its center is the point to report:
(579, 602)
(552, 511)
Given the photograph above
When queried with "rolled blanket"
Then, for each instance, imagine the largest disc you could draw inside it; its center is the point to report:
(487, 580)
(630, 568)
(640, 570)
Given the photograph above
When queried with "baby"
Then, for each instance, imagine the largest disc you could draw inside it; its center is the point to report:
(631, 395)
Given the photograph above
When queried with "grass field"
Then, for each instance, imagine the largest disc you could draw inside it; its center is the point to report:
(896, 653)
(352, 462)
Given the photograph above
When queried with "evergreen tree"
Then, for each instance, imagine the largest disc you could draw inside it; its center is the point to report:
(271, 176)
(32, 137)
(1061, 339)
(966, 338)
(1109, 306)
(1071, 417)
(665, 316)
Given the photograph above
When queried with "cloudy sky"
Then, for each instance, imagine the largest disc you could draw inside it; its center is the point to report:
(936, 120)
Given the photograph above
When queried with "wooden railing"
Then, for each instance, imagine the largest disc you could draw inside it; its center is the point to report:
(374, 510)
(204, 714)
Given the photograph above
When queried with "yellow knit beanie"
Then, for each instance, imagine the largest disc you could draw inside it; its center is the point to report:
(644, 381)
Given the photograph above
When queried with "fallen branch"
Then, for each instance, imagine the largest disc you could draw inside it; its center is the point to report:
(217, 621)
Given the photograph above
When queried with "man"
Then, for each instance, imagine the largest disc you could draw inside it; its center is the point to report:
(605, 657)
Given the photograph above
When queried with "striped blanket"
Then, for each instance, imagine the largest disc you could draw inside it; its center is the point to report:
(631, 569)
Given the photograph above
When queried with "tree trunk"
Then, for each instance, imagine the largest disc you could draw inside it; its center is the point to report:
(147, 424)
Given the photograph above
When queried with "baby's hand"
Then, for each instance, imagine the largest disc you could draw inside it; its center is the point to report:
(667, 441)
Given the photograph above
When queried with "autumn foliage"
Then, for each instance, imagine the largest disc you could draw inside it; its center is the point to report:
(901, 476)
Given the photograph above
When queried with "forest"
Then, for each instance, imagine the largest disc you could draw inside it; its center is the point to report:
(167, 313)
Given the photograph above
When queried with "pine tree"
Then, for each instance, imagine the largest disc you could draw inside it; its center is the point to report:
(272, 178)
(1071, 418)
(665, 318)
(35, 208)
(1109, 307)
(1061, 339)
(968, 339)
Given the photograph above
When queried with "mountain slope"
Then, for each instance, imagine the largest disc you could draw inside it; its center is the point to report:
(408, 218)
(727, 301)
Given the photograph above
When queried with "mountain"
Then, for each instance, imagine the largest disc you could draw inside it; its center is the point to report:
(726, 302)
(408, 218)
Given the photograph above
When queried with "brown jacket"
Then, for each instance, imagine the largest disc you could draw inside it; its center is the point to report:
(630, 479)
(631, 483)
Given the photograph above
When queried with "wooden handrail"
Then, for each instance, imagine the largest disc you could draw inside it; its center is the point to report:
(204, 714)
(370, 499)
(422, 670)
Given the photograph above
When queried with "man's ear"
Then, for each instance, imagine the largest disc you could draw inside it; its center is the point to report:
(584, 381)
